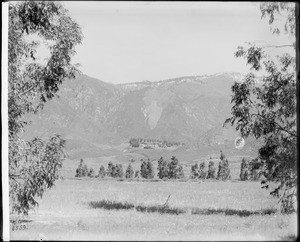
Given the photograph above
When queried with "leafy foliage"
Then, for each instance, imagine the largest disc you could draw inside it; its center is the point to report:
(119, 171)
(202, 173)
(33, 165)
(137, 174)
(211, 171)
(147, 170)
(255, 169)
(102, 172)
(163, 170)
(224, 170)
(82, 169)
(175, 169)
(267, 108)
(244, 170)
(110, 169)
(198, 171)
(195, 171)
(31, 84)
(129, 171)
(115, 170)
(91, 172)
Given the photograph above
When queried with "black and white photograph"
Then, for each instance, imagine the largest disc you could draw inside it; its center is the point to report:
(149, 120)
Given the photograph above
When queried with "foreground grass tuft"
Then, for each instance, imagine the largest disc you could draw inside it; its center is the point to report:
(160, 209)
(230, 212)
(109, 205)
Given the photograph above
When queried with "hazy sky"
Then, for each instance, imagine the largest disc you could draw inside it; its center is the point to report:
(136, 41)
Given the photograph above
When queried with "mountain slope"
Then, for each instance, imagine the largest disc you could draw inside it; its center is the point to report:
(95, 116)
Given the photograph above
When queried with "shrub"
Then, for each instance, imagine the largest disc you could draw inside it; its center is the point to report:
(173, 167)
(91, 173)
(102, 172)
(162, 168)
(129, 172)
(137, 174)
(147, 170)
(211, 171)
(82, 169)
(110, 169)
(150, 170)
(195, 171)
(224, 171)
(119, 171)
(144, 170)
(134, 142)
(180, 173)
(198, 171)
(202, 173)
(175, 170)
(255, 169)
(244, 170)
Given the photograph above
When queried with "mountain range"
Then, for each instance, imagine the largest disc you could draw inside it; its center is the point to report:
(98, 117)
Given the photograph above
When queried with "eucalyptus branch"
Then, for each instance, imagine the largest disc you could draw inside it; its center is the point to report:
(277, 46)
(28, 90)
(278, 125)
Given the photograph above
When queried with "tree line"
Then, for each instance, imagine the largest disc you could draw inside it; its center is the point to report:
(136, 142)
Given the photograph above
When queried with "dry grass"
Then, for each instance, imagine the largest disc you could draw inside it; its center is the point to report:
(133, 211)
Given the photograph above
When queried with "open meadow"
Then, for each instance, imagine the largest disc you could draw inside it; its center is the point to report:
(110, 209)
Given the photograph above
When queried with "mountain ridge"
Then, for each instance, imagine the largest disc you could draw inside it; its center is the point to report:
(189, 109)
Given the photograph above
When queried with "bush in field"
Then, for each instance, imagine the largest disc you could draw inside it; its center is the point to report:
(202, 173)
(223, 171)
(175, 170)
(134, 142)
(119, 171)
(244, 170)
(110, 169)
(147, 170)
(137, 174)
(255, 169)
(91, 173)
(211, 170)
(144, 169)
(180, 173)
(150, 170)
(102, 172)
(195, 171)
(163, 170)
(129, 171)
(198, 171)
(82, 169)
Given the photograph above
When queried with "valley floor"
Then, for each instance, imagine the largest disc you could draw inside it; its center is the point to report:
(232, 210)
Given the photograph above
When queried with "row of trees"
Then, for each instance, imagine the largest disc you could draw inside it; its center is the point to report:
(166, 169)
(136, 142)
(250, 170)
(198, 172)
(170, 169)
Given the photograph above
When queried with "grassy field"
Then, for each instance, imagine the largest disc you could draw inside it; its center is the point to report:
(93, 209)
